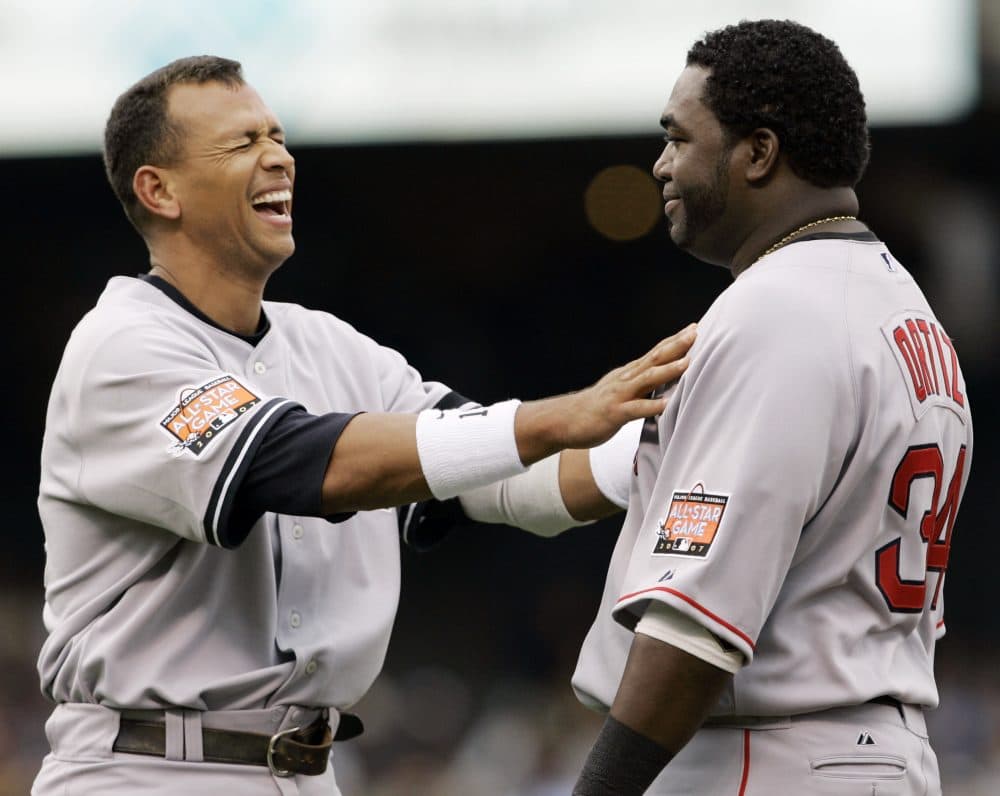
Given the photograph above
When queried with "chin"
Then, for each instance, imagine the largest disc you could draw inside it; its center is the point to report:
(285, 250)
(679, 236)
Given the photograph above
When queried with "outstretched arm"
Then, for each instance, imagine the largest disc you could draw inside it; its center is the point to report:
(392, 459)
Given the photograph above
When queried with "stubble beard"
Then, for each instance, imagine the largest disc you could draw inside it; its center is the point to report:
(702, 206)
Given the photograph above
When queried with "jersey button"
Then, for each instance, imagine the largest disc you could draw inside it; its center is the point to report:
(311, 667)
(297, 531)
(295, 619)
(259, 368)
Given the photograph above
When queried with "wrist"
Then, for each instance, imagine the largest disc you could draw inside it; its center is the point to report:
(540, 428)
(622, 762)
(461, 449)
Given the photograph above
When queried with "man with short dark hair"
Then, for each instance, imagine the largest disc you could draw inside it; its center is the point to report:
(207, 626)
(772, 605)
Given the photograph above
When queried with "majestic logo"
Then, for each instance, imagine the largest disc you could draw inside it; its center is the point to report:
(202, 412)
(691, 523)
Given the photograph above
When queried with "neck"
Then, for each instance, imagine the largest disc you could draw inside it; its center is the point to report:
(784, 222)
(229, 298)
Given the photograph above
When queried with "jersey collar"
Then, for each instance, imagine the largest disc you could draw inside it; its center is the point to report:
(179, 298)
(865, 236)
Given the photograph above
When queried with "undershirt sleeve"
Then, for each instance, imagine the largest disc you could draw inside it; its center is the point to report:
(287, 471)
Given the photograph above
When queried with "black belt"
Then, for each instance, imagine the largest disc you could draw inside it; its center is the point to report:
(891, 702)
(297, 750)
(752, 721)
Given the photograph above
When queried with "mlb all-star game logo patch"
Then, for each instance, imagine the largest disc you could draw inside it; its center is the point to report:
(691, 523)
(202, 412)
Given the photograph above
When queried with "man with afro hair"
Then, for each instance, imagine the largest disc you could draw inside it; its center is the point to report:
(772, 605)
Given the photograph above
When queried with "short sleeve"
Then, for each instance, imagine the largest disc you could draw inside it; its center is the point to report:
(752, 444)
(161, 434)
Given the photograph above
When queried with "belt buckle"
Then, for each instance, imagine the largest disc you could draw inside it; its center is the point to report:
(279, 772)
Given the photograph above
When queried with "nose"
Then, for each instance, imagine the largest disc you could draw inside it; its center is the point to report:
(277, 158)
(661, 168)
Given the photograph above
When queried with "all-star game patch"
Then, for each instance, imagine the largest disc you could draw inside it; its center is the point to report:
(691, 524)
(204, 411)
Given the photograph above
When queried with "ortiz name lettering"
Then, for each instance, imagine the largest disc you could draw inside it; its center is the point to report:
(929, 359)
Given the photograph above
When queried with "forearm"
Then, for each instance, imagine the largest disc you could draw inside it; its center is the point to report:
(374, 464)
(664, 697)
(561, 491)
(666, 693)
(383, 460)
(388, 459)
(580, 493)
(556, 494)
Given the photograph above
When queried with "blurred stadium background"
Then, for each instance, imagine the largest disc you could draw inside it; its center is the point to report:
(473, 190)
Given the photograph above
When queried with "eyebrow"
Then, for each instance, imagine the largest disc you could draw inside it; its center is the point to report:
(253, 135)
(668, 120)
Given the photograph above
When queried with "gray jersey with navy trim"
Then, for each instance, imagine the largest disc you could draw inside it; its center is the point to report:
(154, 418)
(797, 496)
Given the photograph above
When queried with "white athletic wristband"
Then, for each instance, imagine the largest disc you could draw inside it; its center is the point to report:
(611, 463)
(531, 501)
(461, 449)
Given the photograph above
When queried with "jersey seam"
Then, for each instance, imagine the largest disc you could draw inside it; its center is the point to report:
(855, 393)
(851, 365)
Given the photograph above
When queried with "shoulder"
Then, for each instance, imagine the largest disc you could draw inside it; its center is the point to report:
(309, 329)
(126, 314)
(779, 299)
(792, 311)
(294, 318)
(133, 328)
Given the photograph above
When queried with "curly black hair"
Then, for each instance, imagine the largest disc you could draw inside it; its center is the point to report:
(789, 78)
(139, 130)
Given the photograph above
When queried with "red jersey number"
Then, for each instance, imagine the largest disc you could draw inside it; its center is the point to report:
(921, 461)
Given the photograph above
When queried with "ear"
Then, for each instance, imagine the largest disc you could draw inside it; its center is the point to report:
(152, 186)
(764, 148)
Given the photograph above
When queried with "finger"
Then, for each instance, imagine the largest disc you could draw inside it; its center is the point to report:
(675, 345)
(687, 331)
(645, 407)
(657, 375)
(670, 348)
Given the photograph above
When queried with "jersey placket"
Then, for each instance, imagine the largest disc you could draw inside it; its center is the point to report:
(266, 367)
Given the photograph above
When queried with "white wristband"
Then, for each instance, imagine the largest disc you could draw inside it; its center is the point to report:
(461, 449)
(531, 501)
(611, 463)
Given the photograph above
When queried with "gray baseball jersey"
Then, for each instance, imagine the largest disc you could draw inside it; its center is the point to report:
(797, 496)
(155, 418)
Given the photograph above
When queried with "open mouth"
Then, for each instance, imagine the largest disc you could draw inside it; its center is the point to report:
(273, 203)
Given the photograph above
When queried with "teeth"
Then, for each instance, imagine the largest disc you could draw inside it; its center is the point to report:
(273, 196)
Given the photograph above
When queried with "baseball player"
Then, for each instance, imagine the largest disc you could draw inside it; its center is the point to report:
(207, 625)
(770, 614)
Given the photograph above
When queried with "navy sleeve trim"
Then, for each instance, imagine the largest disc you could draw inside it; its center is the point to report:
(290, 467)
(219, 530)
(453, 400)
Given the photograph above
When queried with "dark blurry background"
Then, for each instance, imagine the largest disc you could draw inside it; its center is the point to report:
(511, 268)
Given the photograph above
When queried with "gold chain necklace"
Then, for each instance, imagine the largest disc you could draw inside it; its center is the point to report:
(804, 227)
